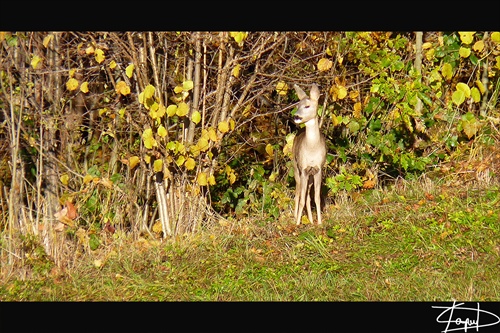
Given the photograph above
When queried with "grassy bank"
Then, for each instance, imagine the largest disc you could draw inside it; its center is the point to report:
(417, 240)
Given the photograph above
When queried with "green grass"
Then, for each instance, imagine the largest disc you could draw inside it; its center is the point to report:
(414, 241)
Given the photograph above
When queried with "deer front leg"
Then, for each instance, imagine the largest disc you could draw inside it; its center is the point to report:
(302, 196)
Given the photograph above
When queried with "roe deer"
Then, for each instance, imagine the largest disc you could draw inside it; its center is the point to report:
(309, 154)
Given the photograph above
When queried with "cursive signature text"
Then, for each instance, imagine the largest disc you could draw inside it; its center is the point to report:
(456, 323)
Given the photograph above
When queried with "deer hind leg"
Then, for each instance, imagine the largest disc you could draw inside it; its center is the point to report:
(297, 201)
(317, 194)
(297, 192)
(308, 200)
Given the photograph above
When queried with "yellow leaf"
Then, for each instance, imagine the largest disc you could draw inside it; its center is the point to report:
(182, 109)
(223, 127)
(478, 46)
(162, 131)
(357, 110)
(98, 263)
(282, 88)
(190, 163)
(239, 37)
(47, 40)
(130, 70)
(212, 134)
(341, 92)
(149, 91)
(232, 124)
(447, 71)
(465, 88)
(84, 87)
(88, 178)
(106, 182)
(171, 110)
(187, 85)
(180, 160)
(236, 70)
(157, 227)
(429, 55)
(480, 86)
(72, 84)
(99, 56)
(426, 45)
(35, 61)
(272, 176)
(466, 36)
(464, 52)
(231, 177)
(196, 117)
(354, 94)
(201, 178)
(324, 64)
(149, 140)
(161, 111)
(211, 180)
(203, 144)
(133, 162)
(122, 88)
(147, 159)
(64, 179)
(269, 149)
(112, 64)
(158, 165)
(89, 50)
(476, 96)
(180, 148)
(495, 37)
(178, 89)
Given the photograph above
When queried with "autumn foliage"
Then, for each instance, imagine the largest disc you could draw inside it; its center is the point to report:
(164, 133)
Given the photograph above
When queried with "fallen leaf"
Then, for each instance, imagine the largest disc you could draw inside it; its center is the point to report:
(71, 211)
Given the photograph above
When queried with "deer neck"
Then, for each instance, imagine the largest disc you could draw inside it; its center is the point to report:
(313, 134)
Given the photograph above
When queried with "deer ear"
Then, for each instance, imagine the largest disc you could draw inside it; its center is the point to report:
(300, 93)
(314, 92)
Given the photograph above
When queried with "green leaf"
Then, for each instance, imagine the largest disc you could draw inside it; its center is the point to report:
(94, 242)
(458, 97)
(187, 85)
(476, 95)
(469, 124)
(353, 126)
(424, 98)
